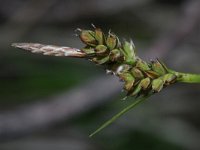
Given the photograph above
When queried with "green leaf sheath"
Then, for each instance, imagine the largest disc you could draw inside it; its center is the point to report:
(188, 78)
(118, 115)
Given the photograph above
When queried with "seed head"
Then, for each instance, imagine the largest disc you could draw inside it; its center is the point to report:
(139, 77)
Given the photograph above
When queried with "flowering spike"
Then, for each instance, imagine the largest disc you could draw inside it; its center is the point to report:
(50, 49)
(120, 59)
(141, 79)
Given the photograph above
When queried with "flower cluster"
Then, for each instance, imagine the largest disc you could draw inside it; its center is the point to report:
(140, 78)
(119, 58)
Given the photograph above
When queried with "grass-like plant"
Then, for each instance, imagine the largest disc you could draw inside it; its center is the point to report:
(141, 79)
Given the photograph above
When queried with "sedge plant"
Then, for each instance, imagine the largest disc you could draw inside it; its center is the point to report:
(141, 79)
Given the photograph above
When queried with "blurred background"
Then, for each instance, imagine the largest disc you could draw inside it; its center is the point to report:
(54, 103)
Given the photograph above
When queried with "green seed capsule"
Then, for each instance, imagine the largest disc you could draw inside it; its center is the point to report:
(128, 85)
(128, 48)
(137, 73)
(100, 49)
(129, 52)
(136, 91)
(169, 78)
(112, 41)
(99, 35)
(88, 50)
(144, 83)
(142, 65)
(151, 74)
(100, 61)
(115, 55)
(88, 37)
(122, 69)
(158, 67)
(157, 84)
(126, 77)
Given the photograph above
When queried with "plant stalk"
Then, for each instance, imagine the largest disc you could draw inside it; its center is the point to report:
(187, 77)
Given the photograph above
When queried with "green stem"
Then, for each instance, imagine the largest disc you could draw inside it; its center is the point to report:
(135, 103)
(188, 78)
